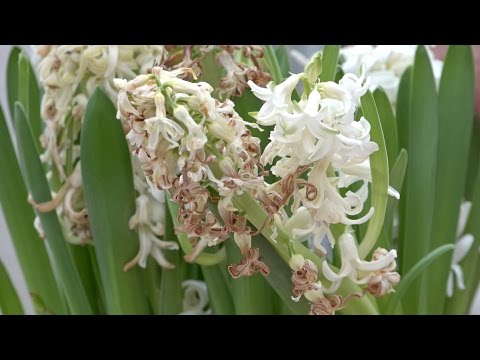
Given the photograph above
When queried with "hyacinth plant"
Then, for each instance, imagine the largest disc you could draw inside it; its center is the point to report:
(211, 180)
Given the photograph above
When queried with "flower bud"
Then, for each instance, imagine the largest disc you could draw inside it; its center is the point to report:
(314, 67)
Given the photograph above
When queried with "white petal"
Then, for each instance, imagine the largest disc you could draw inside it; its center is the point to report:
(462, 247)
(267, 114)
(262, 93)
(463, 216)
(450, 284)
(457, 270)
(361, 220)
(393, 192)
(377, 264)
(332, 276)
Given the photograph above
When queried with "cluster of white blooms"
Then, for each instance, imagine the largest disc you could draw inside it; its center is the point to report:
(317, 148)
(69, 75)
(188, 142)
(384, 64)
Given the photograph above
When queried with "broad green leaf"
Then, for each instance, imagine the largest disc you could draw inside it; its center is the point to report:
(81, 256)
(330, 57)
(110, 199)
(9, 302)
(455, 121)
(473, 160)
(403, 107)
(37, 185)
(153, 280)
(402, 117)
(280, 277)
(96, 273)
(462, 299)
(389, 124)
(219, 289)
(171, 292)
(206, 259)
(251, 295)
(420, 177)
(12, 79)
(397, 175)
(29, 96)
(412, 274)
(282, 57)
(19, 216)
(380, 181)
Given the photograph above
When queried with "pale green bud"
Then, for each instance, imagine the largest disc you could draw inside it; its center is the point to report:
(314, 67)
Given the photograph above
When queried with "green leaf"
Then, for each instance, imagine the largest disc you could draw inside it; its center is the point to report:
(273, 64)
(81, 256)
(38, 186)
(98, 281)
(282, 57)
(9, 302)
(412, 274)
(29, 97)
(397, 175)
(389, 124)
(402, 117)
(12, 79)
(280, 277)
(171, 292)
(462, 299)
(380, 181)
(153, 280)
(19, 217)
(330, 57)
(206, 259)
(473, 161)
(219, 289)
(340, 73)
(251, 295)
(110, 199)
(403, 107)
(455, 121)
(420, 177)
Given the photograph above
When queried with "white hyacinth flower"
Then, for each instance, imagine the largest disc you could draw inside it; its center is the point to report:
(276, 97)
(462, 247)
(385, 64)
(357, 270)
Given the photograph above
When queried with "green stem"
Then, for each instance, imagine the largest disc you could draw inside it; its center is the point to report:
(256, 215)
